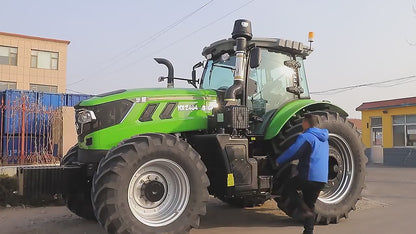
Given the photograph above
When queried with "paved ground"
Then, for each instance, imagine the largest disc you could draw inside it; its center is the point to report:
(388, 207)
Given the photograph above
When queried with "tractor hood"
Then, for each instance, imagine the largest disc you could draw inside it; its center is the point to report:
(150, 94)
(105, 120)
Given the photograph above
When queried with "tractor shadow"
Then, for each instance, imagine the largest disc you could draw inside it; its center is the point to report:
(220, 214)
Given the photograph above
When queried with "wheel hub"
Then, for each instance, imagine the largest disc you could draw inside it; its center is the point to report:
(335, 164)
(153, 191)
(150, 190)
(336, 168)
(340, 168)
(158, 192)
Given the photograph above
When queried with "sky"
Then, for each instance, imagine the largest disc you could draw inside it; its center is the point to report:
(113, 42)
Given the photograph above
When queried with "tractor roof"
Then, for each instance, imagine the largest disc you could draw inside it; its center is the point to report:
(224, 45)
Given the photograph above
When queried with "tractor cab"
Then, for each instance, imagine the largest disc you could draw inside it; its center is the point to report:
(275, 75)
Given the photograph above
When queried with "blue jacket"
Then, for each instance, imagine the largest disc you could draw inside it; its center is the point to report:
(312, 150)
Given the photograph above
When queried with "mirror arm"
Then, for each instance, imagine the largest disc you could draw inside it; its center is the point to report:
(189, 81)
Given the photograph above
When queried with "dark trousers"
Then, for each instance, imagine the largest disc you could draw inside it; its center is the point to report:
(304, 207)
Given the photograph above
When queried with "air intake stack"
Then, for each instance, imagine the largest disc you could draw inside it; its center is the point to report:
(241, 34)
(233, 116)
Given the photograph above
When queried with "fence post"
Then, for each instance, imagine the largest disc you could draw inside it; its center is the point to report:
(22, 148)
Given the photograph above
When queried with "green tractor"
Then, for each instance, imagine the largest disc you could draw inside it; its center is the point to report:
(148, 159)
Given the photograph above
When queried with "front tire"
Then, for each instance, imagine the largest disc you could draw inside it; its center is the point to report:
(151, 183)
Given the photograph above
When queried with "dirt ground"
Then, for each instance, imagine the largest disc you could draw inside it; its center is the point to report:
(390, 198)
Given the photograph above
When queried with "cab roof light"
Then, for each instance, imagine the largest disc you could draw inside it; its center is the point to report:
(310, 39)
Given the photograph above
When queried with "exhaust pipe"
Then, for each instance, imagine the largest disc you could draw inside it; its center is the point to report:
(169, 65)
(241, 34)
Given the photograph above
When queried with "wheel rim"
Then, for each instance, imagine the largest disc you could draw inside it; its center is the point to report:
(158, 192)
(340, 170)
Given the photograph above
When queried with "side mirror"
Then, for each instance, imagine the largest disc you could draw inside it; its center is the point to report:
(194, 80)
(255, 57)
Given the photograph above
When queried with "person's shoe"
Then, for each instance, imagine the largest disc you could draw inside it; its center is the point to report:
(286, 206)
(307, 232)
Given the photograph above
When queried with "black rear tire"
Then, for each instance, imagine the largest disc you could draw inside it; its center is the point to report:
(120, 186)
(346, 156)
(79, 201)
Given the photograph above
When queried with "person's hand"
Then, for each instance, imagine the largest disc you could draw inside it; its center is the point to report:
(277, 164)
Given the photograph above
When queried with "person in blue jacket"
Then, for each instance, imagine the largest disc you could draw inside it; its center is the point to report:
(312, 150)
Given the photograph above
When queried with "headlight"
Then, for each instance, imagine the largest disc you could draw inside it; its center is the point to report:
(93, 118)
(86, 116)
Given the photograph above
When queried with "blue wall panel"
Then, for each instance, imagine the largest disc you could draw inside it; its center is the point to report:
(51, 100)
(14, 100)
(12, 147)
(74, 99)
(38, 109)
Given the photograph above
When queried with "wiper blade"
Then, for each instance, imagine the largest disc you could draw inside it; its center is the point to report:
(224, 66)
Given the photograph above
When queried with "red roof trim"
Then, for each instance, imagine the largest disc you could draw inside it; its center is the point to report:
(401, 102)
(33, 37)
(356, 122)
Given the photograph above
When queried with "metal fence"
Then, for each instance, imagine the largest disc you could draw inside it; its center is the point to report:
(31, 126)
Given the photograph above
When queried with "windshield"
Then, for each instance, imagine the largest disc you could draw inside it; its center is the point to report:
(219, 74)
(266, 84)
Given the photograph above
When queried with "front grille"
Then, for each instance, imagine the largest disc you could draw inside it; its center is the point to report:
(107, 115)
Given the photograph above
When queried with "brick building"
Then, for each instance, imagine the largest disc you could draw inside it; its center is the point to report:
(32, 63)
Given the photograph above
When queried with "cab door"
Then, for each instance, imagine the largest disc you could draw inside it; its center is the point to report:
(266, 87)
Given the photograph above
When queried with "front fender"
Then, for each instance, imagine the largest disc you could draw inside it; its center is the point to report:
(281, 117)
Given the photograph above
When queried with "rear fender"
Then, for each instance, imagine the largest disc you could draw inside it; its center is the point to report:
(297, 107)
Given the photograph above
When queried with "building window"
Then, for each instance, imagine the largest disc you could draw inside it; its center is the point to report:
(44, 59)
(7, 85)
(44, 88)
(404, 130)
(8, 55)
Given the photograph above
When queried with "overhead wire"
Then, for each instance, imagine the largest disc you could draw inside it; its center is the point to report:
(74, 91)
(387, 83)
(185, 37)
(127, 52)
